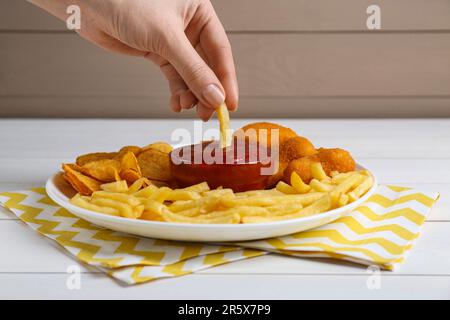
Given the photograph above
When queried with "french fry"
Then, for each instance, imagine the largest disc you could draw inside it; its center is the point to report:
(334, 173)
(247, 201)
(267, 193)
(258, 219)
(285, 188)
(161, 194)
(340, 177)
(303, 199)
(121, 197)
(138, 210)
(217, 193)
(180, 194)
(327, 180)
(182, 205)
(319, 206)
(199, 188)
(117, 186)
(151, 216)
(83, 203)
(320, 186)
(125, 210)
(350, 182)
(343, 200)
(245, 211)
(284, 208)
(224, 122)
(360, 189)
(365, 173)
(173, 217)
(204, 204)
(146, 192)
(318, 172)
(196, 211)
(298, 183)
(153, 206)
(137, 185)
(242, 211)
(210, 204)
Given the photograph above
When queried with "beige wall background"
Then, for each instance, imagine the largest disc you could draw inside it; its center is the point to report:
(295, 58)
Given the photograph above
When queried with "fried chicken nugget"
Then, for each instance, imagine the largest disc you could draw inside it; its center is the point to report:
(291, 149)
(331, 159)
(302, 167)
(296, 147)
(336, 160)
(278, 176)
(284, 133)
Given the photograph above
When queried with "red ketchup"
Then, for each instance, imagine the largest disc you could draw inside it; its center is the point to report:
(237, 167)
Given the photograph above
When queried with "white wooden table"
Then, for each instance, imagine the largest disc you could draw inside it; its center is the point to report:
(412, 153)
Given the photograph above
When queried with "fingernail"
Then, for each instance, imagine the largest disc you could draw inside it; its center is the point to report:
(234, 108)
(213, 95)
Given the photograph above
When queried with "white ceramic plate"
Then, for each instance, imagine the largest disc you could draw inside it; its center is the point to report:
(60, 192)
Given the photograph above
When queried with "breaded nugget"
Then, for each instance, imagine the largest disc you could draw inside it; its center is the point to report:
(273, 179)
(303, 168)
(336, 160)
(291, 149)
(331, 159)
(284, 133)
(296, 147)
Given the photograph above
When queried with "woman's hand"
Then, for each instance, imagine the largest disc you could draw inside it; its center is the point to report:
(183, 37)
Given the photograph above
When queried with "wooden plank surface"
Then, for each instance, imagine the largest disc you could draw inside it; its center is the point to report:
(310, 58)
(292, 65)
(295, 65)
(411, 152)
(206, 286)
(331, 15)
(48, 257)
(276, 15)
(66, 139)
(33, 106)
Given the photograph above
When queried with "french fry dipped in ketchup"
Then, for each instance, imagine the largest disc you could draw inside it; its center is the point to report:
(235, 163)
(224, 122)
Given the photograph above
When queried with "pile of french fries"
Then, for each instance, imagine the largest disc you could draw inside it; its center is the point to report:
(200, 204)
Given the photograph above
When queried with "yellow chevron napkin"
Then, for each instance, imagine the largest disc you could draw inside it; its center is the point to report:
(128, 258)
(379, 232)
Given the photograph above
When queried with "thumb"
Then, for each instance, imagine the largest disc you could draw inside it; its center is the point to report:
(195, 72)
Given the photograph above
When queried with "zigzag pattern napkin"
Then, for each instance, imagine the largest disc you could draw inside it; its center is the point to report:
(125, 257)
(379, 232)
